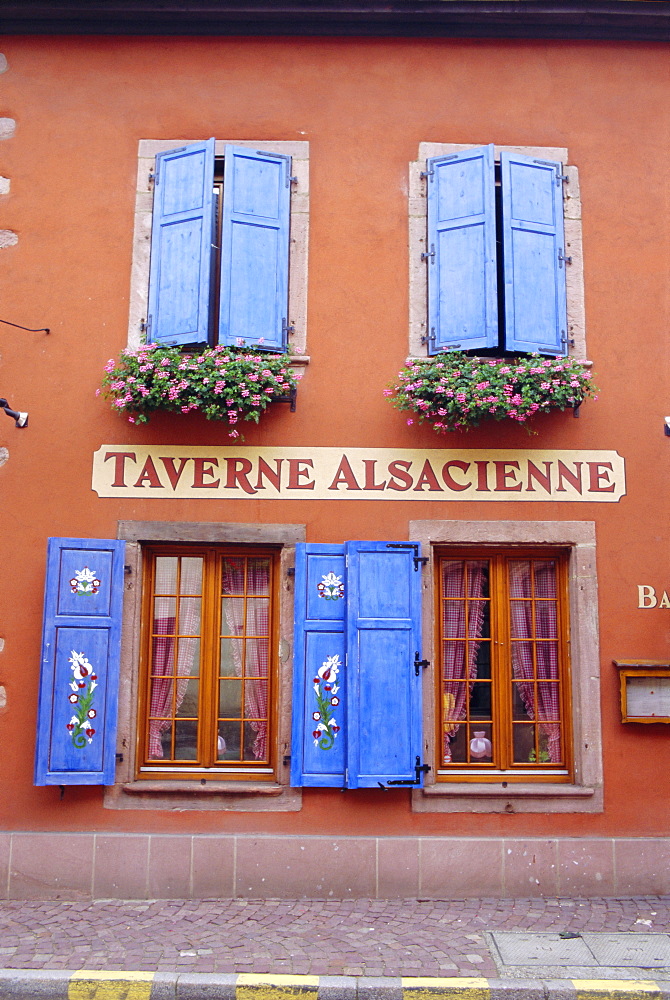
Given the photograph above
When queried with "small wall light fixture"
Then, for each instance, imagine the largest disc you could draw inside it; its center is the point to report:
(21, 419)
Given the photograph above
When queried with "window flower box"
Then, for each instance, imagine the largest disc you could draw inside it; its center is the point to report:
(224, 383)
(455, 391)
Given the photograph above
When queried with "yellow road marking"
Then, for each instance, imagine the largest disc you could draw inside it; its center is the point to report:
(467, 988)
(615, 989)
(99, 985)
(268, 987)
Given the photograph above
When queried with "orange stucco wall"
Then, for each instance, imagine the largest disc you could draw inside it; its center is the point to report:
(82, 104)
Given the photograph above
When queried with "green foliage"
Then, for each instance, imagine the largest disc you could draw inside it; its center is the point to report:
(224, 383)
(455, 391)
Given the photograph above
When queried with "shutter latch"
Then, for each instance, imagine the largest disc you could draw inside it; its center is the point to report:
(419, 663)
(562, 257)
(430, 254)
(408, 545)
(429, 338)
(419, 769)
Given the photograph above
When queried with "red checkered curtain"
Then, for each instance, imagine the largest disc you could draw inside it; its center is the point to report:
(462, 617)
(534, 635)
(170, 677)
(248, 623)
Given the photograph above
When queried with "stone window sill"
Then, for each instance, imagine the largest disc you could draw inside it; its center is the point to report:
(248, 796)
(530, 797)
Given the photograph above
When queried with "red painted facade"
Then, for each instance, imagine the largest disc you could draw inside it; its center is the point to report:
(81, 106)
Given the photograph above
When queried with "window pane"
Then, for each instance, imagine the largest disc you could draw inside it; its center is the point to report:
(455, 745)
(453, 578)
(229, 741)
(545, 620)
(191, 575)
(166, 575)
(519, 701)
(187, 699)
(160, 740)
(232, 616)
(453, 660)
(165, 613)
(258, 576)
(546, 654)
(548, 702)
(454, 701)
(453, 619)
(256, 658)
(231, 657)
(545, 578)
(186, 740)
(525, 751)
(257, 615)
(233, 575)
(254, 741)
(480, 701)
(162, 655)
(520, 580)
(188, 658)
(523, 660)
(189, 616)
(230, 699)
(480, 748)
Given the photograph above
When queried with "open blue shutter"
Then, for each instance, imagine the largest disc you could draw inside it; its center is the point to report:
(254, 248)
(79, 678)
(533, 249)
(383, 689)
(462, 278)
(319, 687)
(180, 285)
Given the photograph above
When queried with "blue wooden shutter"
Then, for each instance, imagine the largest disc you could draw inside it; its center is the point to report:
(533, 248)
(180, 278)
(318, 748)
(254, 248)
(79, 678)
(383, 689)
(462, 277)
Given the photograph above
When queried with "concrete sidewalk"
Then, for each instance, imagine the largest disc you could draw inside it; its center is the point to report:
(335, 950)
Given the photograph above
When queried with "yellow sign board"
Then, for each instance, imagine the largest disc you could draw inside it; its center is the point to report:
(357, 473)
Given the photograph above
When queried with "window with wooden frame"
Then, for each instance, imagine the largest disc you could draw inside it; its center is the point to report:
(504, 679)
(208, 671)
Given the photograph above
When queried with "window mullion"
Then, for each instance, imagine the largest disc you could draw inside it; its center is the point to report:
(504, 689)
(209, 645)
(565, 668)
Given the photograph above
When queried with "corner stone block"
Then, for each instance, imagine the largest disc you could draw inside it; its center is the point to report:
(4, 185)
(7, 128)
(3, 63)
(8, 238)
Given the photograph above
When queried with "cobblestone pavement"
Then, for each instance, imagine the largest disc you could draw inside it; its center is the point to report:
(355, 937)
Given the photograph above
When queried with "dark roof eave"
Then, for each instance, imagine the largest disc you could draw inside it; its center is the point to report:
(625, 20)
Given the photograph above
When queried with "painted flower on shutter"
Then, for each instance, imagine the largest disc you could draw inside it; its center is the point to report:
(84, 582)
(84, 684)
(325, 690)
(331, 587)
